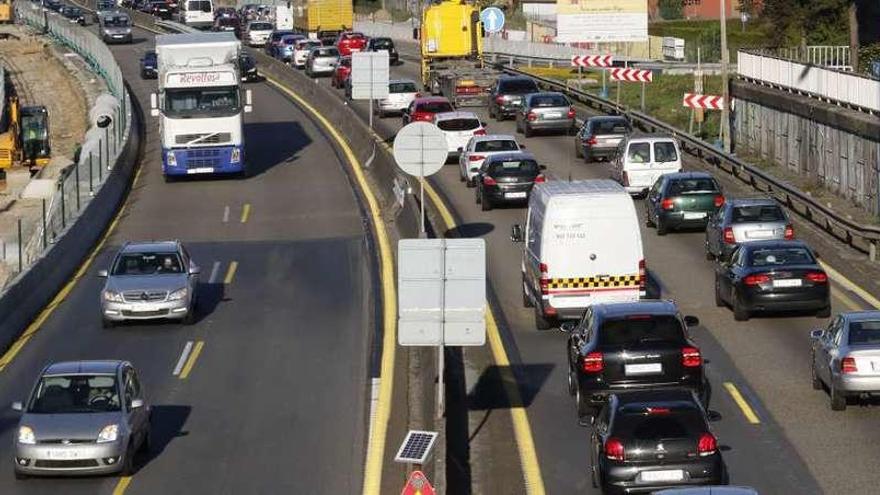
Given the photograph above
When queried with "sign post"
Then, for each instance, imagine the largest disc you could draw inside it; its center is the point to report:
(369, 77)
(420, 149)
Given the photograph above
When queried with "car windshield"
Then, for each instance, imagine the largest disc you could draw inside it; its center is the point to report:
(664, 152)
(864, 333)
(188, 102)
(66, 394)
(543, 101)
(692, 186)
(615, 126)
(496, 145)
(277, 35)
(513, 167)
(116, 21)
(758, 213)
(637, 329)
(639, 153)
(636, 424)
(260, 26)
(459, 124)
(781, 256)
(147, 264)
(434, 107)
(518, 86)
(402, 87)
(72, 11)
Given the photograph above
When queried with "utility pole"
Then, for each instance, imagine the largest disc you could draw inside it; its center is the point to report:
(725, 59)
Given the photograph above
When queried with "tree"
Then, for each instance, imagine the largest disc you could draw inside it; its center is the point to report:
(670, 9)
(814, 22)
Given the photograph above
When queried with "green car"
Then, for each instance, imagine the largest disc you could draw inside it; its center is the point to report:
(683, 200)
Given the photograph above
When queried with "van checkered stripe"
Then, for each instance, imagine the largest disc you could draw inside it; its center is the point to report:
(594, 282)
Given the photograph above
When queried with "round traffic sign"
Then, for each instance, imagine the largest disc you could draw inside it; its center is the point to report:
(492, 19)
(420, 149)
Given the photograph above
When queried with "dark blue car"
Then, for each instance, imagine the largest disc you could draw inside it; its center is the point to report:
(149, 66)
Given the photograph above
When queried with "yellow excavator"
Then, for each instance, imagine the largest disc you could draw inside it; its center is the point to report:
(25, 140)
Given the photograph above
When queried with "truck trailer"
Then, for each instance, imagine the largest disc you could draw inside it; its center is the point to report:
(323, 19)
(200, 104)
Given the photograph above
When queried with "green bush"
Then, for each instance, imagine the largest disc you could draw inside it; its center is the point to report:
(670, 9)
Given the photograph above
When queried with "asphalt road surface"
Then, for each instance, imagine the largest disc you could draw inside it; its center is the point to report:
(275, 401)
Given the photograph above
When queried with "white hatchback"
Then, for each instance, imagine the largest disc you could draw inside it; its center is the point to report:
(301, 51)
(401, 92)
(459, 128)
(478, 149)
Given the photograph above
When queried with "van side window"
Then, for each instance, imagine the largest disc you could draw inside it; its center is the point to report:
(639, 153)
(533, 236)
(664, 152)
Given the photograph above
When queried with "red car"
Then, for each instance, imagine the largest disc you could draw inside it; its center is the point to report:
(424, 108)
(349, 42)
(341, 73)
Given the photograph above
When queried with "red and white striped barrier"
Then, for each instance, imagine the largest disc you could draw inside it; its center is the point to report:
(711, 102)
(591, 60)
(631, 75)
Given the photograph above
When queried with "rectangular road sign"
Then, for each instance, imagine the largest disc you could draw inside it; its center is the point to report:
(369, 75)
(711, 102)
(631, 75)
(441, 285)
(601, 21)
(592, 60)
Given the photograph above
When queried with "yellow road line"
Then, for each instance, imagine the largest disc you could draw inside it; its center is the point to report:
(747, 410)
(245, 212)
(376, 443)
(850, 285)
(230, 273)
(522, 430)
(191, 361)
(122, 485)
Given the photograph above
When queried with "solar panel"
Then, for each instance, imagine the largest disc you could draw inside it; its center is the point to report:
(416, 447)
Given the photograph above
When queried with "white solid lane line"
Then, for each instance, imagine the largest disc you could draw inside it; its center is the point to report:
(183, 356)
(215, 270)
(226, 215)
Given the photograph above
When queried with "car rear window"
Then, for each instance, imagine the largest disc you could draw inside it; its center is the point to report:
(513, 167)
(781, 256)
(758, 213)
(639, 153)
(402, 87)
(435, 107)
(326, 52)
(496, 145)
(543, 101)
(461, 124)
(864, 333)
(693, 186)
(383, 44)
(518, 86)
(664, 152)
(261, 26)
(639, 426)
(616, 126)
(639, 329)
(307, 45)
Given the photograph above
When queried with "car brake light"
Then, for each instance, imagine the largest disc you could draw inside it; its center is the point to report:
(667, 204)
(817, 277)
(614, 449)
(571, 113)
(728, 236)
(532, 116)
(476, 158)
(848, 365)
(593, 142)
(690, 357)
(489, 181)
(707, 445)
(480, 132)
(657, 410)
(789, 232)
(545, 279)
(593, 362)
(719, 201)
(499, 100)
(540, 179)
(643, 275)
(418, 95)
(756, 279)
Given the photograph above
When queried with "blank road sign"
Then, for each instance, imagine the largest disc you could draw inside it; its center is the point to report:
(420, 149)
(369, 75)
(416, 447)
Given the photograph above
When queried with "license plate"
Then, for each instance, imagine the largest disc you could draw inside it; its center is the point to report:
(759, 234)
(787, 282)
(118, 35)
(666, 475)
(200, 170)
(515, 195)
(642, 369)
(145, 308)
(875, 366)
(551, 115)
(694, 215)
(61, 454)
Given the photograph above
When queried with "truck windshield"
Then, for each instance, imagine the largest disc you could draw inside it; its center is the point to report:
(197, 102)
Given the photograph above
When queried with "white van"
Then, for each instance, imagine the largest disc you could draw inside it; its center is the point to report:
(196, 13)
(582, 245)
(640, 161)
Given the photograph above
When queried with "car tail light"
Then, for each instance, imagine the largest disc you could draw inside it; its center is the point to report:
(593, 142)
(719, 201)
(480, 132)
(657, 410)
(499, 100)
(467, 90)
(756, 279)
(476, 158)
(532, 116)
(667, 204)
(817, 277)
(489, 181)
(614, 449)
(545, 279)
(848, 365)
(690, 357)
(418, 95)
(728, 236)
(540, 179)
(571, 113)
(643, 275)
(707, 445)
(789, 232)
(593, 362)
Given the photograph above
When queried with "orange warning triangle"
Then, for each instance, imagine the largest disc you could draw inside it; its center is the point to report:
(417, 484)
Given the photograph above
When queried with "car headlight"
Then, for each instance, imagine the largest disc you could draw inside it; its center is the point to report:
(171, 159)
(26, 435)
(235, 157)
(178, 294)
(112, 296)
(109, 434)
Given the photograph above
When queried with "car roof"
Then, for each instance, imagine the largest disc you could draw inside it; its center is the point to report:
(752, 202)
(709, 490)
(397, 81)
(545, 93)
(600, 118)
(102, 367)
(753, 245)
(861, 315)
(513, 77)
(431, 99)
(645, 306)
(494, 137)
(650, 138)
(510, 155)
(455, 115)
(154, 246)
(689, 175)
(671, 397)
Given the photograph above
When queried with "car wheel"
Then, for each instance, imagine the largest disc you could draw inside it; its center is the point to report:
(719, 302)
(541, 323)
(815, 380)
(477, 195)
(190, 317)
(381, 113)
(518, 128)
(572, 382)
(19, 475)
(461, 177)
(661, 229)
(527, 301)
(578, 152)
(146, 445)
(572, 131)
(588, 158)
(739, 312)
(838, 400)
(824, 312)
(485, 204)
(105, 323)
(471, 183)
(128, 461)
(584, 410)
(527, 131)
(594, 476)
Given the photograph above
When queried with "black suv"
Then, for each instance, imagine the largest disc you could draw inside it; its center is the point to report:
(387, 44)
(631, 346)
(507, 94)
(650, 440)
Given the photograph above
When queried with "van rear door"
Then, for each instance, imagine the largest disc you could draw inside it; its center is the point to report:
(645, 162)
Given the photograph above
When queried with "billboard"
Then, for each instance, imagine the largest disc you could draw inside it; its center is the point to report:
(601, 20)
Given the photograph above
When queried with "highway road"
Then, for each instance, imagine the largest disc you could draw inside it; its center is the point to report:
(274, 402)
(796, 445)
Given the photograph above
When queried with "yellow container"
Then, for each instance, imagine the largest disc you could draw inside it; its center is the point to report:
(313, 16)
(451, 29)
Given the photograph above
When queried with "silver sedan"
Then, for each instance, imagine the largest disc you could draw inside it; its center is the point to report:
(82, 417)
(846, 357)
(745, 220)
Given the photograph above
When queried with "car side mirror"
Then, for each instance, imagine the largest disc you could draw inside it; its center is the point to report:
(713, 416)
(516, 233)
(542, 167)
(103, 273)
(817, 334)
(460, 149)
(137, 404)
(691, 321)
(522, 146)
(195, 270)
(475, 169)
(17, 406)
(567, 326)
(484, 123)
(816, 254)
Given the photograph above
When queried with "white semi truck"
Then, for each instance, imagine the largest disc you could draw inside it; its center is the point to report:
(200, 104)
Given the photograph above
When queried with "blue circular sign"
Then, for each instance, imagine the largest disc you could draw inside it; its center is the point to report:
(492, 19)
